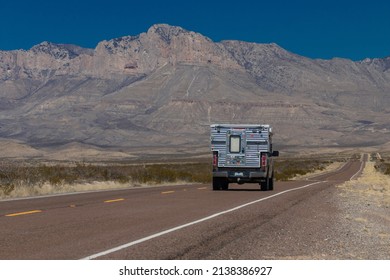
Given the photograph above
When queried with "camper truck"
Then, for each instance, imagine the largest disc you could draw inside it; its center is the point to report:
(242, 153)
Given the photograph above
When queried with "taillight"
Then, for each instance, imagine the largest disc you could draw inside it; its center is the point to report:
(215, 159)
(263, 160)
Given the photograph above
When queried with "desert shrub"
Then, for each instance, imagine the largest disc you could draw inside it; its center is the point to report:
(289, 168)
(14, 174)
(383, 167)
(196, 172)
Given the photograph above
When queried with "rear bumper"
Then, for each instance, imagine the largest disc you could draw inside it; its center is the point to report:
(242, 174)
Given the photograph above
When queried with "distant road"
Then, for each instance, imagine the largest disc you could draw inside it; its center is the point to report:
(171, 222)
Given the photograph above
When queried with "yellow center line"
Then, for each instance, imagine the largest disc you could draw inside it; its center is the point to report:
(202, 188)
(167, 192)
(114, 200)
(23, 213)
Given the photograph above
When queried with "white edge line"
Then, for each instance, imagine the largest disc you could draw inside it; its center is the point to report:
(356, 174)
(127, 245)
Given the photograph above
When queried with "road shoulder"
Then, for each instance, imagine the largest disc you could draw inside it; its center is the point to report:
(364, 215)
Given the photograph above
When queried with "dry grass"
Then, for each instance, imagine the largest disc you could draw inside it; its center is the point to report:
(19, 179)
(372, 185)
(49, 189)
(364, 207)
(297, 167)
(323, 169)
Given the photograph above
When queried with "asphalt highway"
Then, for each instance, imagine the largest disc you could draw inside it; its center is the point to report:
(170, 222)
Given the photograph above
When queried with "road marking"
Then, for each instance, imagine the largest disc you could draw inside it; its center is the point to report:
(360, 170)
(23, 213)
(114, 200)
(167, 192)
(203, 188)
(130, 244)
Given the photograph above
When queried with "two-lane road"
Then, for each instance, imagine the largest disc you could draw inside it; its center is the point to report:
(188, 221)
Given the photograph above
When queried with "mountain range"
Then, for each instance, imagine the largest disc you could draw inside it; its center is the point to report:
(155, 94)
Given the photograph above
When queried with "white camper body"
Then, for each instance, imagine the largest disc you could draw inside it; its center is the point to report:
(242, 153)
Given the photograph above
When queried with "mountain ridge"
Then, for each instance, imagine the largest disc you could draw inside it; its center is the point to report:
(162, 88)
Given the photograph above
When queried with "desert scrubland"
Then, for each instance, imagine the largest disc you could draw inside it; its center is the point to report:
(24, 179)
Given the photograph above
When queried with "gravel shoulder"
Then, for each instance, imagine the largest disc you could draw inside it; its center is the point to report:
(364, 215)
(347, 221)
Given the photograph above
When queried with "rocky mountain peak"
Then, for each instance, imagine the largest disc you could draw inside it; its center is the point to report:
(162, 44)
(57, 51)
(117, 45)
(381, 63)
(166, 32)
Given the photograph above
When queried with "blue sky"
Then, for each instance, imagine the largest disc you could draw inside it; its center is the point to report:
(316, 29)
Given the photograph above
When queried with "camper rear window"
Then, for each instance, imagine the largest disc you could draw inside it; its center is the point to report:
(235, 144)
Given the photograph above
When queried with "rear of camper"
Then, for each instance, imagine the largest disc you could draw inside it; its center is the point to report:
(242, 153)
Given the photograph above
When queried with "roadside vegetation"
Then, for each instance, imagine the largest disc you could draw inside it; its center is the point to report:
(14, 175)
(374, 183)
(382, 163)
(290, 168)
(41, 178)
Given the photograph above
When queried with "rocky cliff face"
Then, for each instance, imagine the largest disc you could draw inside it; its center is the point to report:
(164, 87)
(128, 55)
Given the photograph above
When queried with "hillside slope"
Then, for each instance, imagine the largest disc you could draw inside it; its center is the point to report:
(161, 89)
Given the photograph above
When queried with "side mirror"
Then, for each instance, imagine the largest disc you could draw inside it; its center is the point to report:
(275, 153)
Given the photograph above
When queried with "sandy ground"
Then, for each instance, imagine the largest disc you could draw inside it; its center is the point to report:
(364, 221)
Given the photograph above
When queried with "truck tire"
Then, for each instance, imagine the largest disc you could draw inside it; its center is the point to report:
(216, 184)
(220, 183)
(225, 185)
(264, 185)
(271, 183)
